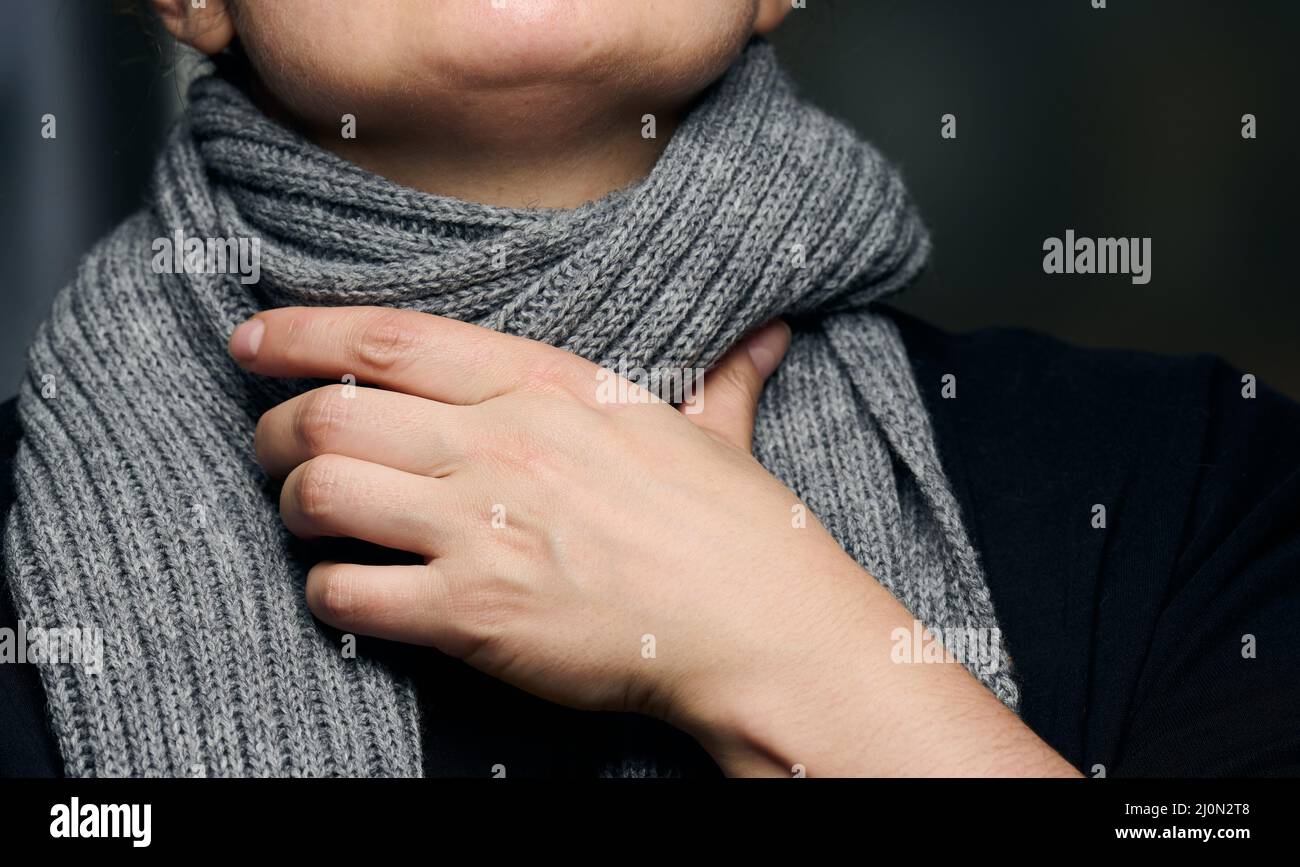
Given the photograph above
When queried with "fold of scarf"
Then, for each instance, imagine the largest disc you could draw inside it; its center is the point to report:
(141, 510)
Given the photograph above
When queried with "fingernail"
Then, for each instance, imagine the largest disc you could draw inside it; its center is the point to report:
(767, 347)
(247, 338)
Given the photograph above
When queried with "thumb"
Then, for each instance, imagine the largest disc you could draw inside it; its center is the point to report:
(732, 388)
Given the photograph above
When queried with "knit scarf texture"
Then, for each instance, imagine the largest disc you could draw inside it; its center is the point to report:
(142, 512)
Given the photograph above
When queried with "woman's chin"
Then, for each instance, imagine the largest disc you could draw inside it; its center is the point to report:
(556, 55)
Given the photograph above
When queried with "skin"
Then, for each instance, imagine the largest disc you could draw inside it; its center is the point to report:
(474, 450)
(538, 103)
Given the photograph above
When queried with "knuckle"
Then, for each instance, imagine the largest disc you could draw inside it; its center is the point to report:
(542, 378)
(317, 487)
(516, 448)
(386, 340)
(532, 434)
(337, 597)
(321, 419)
(551, 372)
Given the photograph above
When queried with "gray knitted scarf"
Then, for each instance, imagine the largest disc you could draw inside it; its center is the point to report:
(142, 513)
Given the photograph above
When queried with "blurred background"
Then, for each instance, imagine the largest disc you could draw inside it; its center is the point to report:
(1123, 122)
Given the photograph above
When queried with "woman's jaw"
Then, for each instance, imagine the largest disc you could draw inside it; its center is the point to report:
(519, 103)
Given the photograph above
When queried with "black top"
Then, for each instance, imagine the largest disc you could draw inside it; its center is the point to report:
(27, 748)
(1161, 644)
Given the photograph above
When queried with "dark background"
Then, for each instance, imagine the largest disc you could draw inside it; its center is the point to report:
(1123, 122)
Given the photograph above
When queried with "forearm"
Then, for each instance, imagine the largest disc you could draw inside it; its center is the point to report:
(831, 701)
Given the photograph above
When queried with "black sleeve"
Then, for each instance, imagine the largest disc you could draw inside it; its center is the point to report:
(1162, 643)
(1220, 686)
(27, 748)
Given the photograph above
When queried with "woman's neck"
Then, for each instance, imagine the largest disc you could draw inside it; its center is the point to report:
(507, 171)
(504, 151)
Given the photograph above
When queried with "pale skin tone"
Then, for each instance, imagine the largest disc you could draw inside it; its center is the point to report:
(552, 540)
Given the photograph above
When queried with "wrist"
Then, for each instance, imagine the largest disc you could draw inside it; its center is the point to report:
(837, 703)
(792, 702)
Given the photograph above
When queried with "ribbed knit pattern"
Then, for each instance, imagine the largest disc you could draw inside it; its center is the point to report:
(141, 510)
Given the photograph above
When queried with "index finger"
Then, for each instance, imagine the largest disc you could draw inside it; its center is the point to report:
(403, 350)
